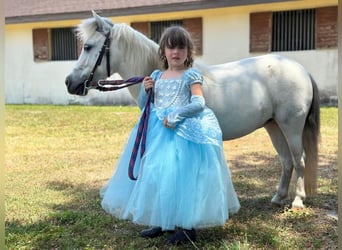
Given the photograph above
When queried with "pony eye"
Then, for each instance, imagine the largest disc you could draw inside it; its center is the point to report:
(87, 47)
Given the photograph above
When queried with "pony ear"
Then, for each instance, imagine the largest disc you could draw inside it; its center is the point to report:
(103, 24)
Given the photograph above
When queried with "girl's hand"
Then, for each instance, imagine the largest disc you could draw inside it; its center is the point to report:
(166, 124)
(148, 83)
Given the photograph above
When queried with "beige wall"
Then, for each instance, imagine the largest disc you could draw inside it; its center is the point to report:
(28, 81)
(43, 82)
(225, 38)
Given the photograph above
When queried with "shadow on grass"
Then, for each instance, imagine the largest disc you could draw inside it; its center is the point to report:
(76, 224)
(81, 223)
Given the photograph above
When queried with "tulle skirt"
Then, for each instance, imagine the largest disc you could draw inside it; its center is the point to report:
(180, 183)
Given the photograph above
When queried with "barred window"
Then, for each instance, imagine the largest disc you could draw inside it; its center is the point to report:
(55, 44)
(293, 30)
(63, 44)
(157, 28)
(154, 30)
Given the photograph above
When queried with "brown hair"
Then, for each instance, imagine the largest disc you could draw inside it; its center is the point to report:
(176, 36)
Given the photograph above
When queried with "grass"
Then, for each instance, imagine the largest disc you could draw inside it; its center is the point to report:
(58, 157)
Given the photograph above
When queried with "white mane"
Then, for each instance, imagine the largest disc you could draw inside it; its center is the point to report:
(88, 27)
(141, 50)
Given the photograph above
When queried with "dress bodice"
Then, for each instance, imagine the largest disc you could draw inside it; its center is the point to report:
(174, 92)
(171, 93)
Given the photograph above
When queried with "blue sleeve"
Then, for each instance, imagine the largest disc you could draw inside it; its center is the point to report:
(195, 106)
(194, 76)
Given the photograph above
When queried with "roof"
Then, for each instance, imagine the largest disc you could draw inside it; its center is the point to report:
(20, 11)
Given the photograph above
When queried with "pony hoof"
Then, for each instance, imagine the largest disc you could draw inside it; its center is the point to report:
(297, 203)
(277, 201)
(277, 205)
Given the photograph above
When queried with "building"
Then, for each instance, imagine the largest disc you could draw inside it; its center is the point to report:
(224, 30)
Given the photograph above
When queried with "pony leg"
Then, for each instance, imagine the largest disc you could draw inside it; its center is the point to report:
(280, 144)
(295, 146)
(299, 163)
(302, 134)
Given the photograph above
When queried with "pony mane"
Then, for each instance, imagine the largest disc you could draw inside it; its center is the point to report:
(141, 49)
(88, 27)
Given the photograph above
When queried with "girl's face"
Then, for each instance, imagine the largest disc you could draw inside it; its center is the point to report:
(176, 56)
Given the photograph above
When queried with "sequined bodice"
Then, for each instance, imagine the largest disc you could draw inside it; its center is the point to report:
(171, 93)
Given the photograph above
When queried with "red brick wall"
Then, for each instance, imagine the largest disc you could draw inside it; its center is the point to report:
(194, 26)
(326, 27)
(40, 44)
(142, 27)
(260, 31)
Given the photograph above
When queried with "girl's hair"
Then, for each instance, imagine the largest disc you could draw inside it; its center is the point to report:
(176, 36)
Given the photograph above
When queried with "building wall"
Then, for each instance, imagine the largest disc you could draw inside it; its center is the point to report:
(30, 82)
(27, 81)
(225, 38)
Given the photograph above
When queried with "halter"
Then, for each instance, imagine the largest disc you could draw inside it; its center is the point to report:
(105, 49)
(107, 85)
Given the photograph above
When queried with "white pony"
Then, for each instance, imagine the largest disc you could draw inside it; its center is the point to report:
(267, 91)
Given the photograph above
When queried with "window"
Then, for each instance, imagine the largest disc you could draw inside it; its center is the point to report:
(63, 44)
(157, 28)
(55, 44)
(293, 30)
(153, 30)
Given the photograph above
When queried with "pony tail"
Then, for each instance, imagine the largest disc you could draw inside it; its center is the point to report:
(311, 138)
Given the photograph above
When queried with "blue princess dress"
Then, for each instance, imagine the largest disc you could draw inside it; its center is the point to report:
(183, 178)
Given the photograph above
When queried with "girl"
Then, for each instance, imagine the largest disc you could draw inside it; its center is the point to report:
(183, 179)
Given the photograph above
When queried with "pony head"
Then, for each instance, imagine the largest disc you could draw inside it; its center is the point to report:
(92, 32)
(130, 54)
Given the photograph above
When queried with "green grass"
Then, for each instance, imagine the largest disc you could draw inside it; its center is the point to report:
(58, 157)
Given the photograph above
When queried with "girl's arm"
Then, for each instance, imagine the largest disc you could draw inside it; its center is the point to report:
(196, 89)
(195, 106)
(146, 85)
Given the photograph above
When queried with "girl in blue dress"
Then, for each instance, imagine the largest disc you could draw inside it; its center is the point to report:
(183, 181)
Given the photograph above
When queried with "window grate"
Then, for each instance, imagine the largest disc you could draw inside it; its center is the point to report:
(63, 44)
(293, 30)
(157, 28)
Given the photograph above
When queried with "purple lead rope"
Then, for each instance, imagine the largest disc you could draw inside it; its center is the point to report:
(110, 85)
(140, 138)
